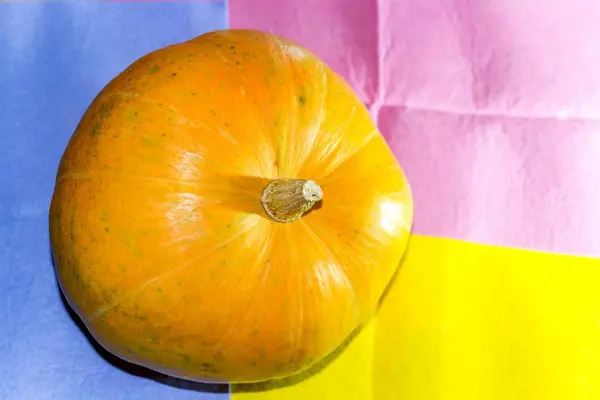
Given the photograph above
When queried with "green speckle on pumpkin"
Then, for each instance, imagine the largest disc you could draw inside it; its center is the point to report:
(154, 69)
(105, 109)
(130, 115)
(208, 367)
(262, 354)
(146, 141)
(95, 131)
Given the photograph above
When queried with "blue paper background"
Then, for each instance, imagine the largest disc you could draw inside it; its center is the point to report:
(54, 58)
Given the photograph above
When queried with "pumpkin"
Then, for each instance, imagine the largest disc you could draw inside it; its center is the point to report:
(226, 210)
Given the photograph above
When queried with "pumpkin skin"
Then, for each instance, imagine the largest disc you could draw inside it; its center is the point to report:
(160, 240)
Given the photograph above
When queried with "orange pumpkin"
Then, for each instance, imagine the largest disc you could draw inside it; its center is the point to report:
(227, 210)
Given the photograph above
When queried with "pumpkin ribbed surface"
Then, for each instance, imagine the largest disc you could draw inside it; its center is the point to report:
(161, 236)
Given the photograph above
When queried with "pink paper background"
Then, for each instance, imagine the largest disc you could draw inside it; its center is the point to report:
(492, 107)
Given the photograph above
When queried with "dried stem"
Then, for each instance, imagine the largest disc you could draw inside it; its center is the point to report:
(285, 200)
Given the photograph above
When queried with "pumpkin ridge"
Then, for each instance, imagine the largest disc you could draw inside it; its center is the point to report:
(341, 161)
(267, 244)
(315, 237)
(314, 129)
(334, 140)
(100, 176)
(281, 144)
(140, 287)
(310, 134)
(301, 341)
(199, 184)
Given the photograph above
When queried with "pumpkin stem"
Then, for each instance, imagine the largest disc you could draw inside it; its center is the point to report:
(285, 200)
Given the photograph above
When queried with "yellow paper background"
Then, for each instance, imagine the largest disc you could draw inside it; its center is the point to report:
(465, 321)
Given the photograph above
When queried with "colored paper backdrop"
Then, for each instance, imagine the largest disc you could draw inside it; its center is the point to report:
(492, 108)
